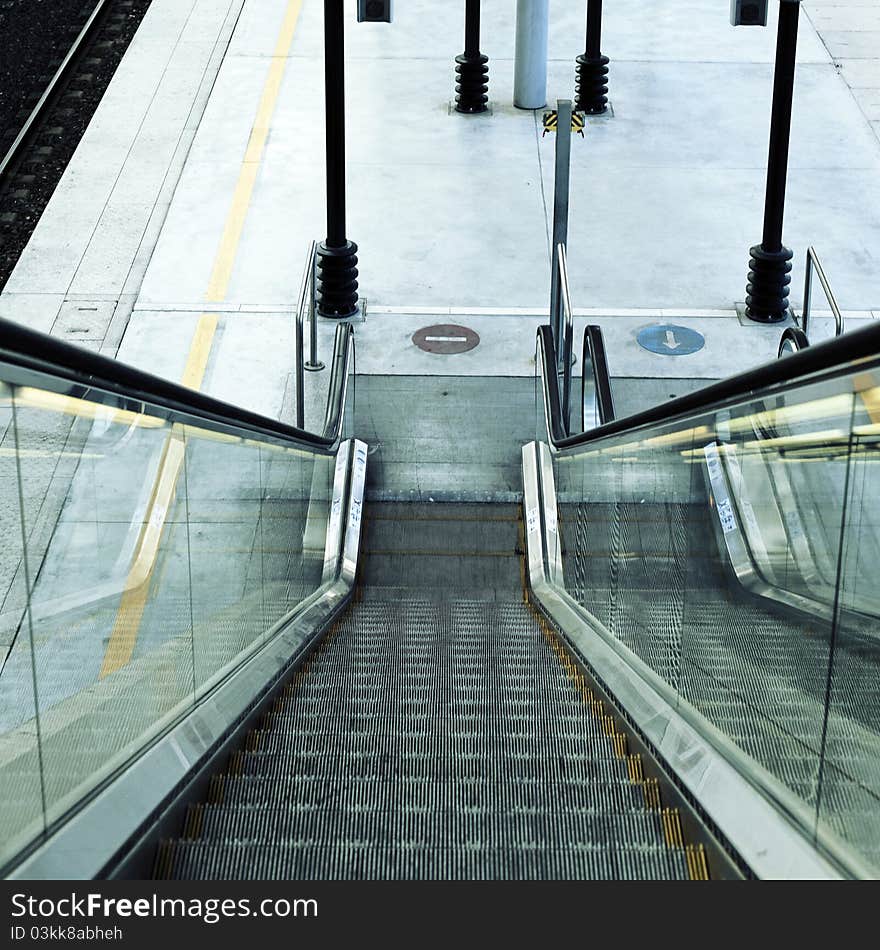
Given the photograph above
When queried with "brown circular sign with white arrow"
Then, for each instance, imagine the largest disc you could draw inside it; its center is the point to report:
(446, 339)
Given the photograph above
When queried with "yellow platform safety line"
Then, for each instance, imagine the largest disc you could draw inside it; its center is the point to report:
(134, 598)
(226, 254)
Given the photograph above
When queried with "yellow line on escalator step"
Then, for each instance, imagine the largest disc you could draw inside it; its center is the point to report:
(651, 791)
(670, 818)
(635, 768)
(672, 828)
(697, 863)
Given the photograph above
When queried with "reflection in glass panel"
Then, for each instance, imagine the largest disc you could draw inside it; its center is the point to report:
(157, 555)
(106, 549)
(223, 477)
(681, 540)
(762, 662)
(296, 497)
(850, 790)
(21, 793)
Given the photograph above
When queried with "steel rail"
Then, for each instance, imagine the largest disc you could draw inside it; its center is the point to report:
(84, 36)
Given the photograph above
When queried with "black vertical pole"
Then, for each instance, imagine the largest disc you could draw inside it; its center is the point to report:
(337, 256)
(770, 263)
(472, 28)
(591, 93)
(472, 69)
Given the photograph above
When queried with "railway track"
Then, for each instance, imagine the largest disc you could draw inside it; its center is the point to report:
(56, 113)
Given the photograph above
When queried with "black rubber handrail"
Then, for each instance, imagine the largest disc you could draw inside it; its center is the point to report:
(828, 357)
(796, 337)
(594, 351)
(37, 352)
(594, 356)
(556, 430)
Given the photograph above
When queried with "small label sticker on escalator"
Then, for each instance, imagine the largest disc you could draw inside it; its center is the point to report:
(532, 519)
(335, 512)
(713, 462)
(716, 476)
(728, 518)
(354, 518)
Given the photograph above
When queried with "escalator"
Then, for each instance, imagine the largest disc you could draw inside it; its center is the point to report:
(434, 734)
(276, 673)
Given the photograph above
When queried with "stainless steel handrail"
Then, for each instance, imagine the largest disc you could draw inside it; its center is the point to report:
(306, 300)
(813, 263)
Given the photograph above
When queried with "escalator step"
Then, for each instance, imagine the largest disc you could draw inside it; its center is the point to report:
(341, 861)
(550, 828)
(302, 790)
(430, 739)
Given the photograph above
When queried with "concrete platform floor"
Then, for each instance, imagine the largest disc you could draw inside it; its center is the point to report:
(200, 184)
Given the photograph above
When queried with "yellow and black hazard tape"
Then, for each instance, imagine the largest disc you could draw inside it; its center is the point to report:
(551, 122)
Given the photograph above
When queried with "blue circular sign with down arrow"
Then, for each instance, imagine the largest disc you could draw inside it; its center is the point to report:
(667, 339)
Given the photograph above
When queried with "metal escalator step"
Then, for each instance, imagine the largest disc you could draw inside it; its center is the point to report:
(194, 860)
(517, 706)
(424, 693)
(597, 796)
(430, 764)
(433, 736)
(471, 512)
(492, 722)
(400, 745)
(427, 570)
(430, 768)
(407, 827)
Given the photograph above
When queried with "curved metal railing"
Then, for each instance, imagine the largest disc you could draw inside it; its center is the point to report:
(814, 264)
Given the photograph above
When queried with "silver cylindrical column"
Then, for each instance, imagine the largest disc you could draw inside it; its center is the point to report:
(530, 70)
